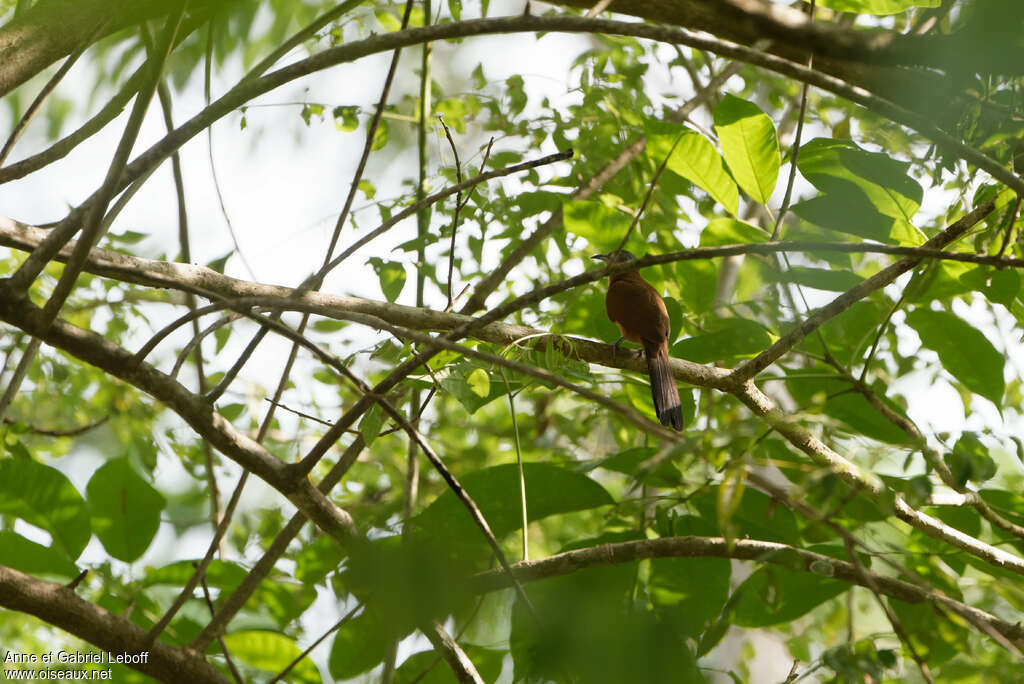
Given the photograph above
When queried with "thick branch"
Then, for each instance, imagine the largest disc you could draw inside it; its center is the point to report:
(742, 549)
(59, 606)
(52, 29)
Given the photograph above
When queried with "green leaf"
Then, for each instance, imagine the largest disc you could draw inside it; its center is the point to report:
(218, 264)
(774, 594)
(550, 490)
(32, 558)
(591, 626)
(328, 325)
(690, 592)
(231, 411)
(371, 423)
(729, 231)
(693, 158)
(630, 462)
(846, 210)
(835, 397)
(389, 22)
(44, 497)
(697, 280)
(465, 384)
(487, 661)
(125, 509)
(756, 516)
(601, 226)
(856, 411)
(877, 7)
(271, 652)
(731, 338)
(359, 645)
(367, 188)
(970, 461)
(478, 383)
(391, 275)
(999, 286)
(839, 166)
(749, 145)
(820, 278)
(963, 350)
(220, 574)
(346, 119)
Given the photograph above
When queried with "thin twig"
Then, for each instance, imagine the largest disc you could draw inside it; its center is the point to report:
(93, 219)
(14, 384)
(302, 656)
(458, 208)
(207, 72)
(776, 231)
(185, 255)
(70, 432)
(220, 640)
(190, 585)
(233, 603)
(37, 103)
(890, 614)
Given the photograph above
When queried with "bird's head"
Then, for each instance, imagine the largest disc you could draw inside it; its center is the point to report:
(616, 257)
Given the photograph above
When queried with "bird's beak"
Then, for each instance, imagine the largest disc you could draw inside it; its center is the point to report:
(601, 257)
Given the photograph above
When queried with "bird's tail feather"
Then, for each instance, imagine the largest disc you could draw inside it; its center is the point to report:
(663, 386)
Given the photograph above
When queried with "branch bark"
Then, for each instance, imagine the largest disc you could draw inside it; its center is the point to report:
(740, 549)
(59, 606)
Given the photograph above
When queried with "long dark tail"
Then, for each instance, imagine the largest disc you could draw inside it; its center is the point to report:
(663, 386)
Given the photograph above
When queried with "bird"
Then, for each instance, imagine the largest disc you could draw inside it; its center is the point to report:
(639, 312)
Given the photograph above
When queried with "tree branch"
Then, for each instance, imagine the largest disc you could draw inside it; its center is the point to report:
(791, 557)
(59, 606)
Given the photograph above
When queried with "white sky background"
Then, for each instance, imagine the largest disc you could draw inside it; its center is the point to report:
(284, 184)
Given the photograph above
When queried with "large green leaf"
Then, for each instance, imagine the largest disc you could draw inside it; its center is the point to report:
(775, 594)
(878, 7)
(963, 350)
(729, 231)
(727, 339)
(697, 280)
(693, 158)
(591, 627)
(602, 226)
(32, 558)
(690, 592)
(44, 497)
(834, 280)
(835, 397)
(847, 210)
(487, 661)
(756, 516)
(550, 490)
(219, 574)
(125, 509)
(360, 644)
(272, 652)
(855, 410)
(835, 166)
(749, 145)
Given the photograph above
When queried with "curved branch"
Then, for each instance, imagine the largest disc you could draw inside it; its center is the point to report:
(740, 549)
(248, 89)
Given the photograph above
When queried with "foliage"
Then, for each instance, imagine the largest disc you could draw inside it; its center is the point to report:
(905, 397)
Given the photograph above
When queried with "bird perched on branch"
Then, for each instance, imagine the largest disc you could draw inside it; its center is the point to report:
(638, 310)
